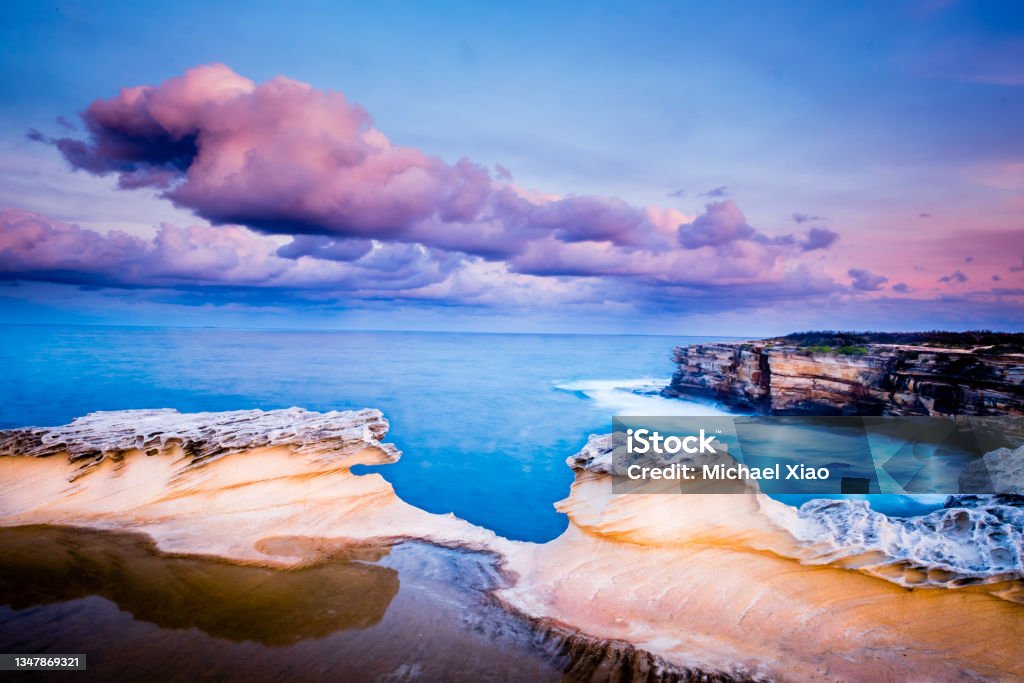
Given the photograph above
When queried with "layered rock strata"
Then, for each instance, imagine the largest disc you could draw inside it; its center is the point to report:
(877, 379)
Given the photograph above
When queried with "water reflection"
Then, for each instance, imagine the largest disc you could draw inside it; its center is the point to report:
(411, 611)
(47, 565)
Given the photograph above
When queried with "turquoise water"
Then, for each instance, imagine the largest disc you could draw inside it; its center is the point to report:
(485, 421)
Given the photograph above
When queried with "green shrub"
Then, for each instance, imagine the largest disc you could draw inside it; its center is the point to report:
(852, 350)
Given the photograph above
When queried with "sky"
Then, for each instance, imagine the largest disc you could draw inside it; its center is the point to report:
(725, 168)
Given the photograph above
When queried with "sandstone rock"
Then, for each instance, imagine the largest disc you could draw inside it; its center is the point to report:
(639, 587)
(886, 379)
(203, 437)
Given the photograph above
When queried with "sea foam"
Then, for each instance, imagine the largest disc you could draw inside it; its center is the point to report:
(972, 539)
(637, 397)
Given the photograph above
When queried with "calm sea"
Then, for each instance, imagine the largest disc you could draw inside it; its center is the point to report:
(484, 421)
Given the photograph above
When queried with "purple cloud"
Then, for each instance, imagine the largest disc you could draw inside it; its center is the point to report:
(721, 223)
(801, 218)
(325, 248)
(956, 277)
(304, 193)
(284, 158)
(865, 280)
(33, 247)
(716, 193)
(902, 288)
(819, 238)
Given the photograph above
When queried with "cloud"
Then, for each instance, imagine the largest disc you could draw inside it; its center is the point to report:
(806, 218)
(997, 278)
(716, 193)
(968, 259)
(31, 247)
(325, 248)
(721, 223)
(902, 288)
(1018, 268)
(35, 248)
(865, 280)
(223, 268)
(235, 264)
(956, 277)
(677, 193)
(819, 238)
(282, 158)
(924, 215)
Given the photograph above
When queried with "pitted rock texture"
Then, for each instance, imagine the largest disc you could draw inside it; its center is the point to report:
(203, 437)
(595, 456)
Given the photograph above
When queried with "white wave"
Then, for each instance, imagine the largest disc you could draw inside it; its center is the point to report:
(973, 538)
(638, 397)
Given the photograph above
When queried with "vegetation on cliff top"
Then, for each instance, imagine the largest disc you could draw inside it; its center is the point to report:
(853, 343)
(847, 350)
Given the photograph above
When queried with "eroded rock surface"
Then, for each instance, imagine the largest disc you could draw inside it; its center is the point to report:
(203, 437)
(640, 586)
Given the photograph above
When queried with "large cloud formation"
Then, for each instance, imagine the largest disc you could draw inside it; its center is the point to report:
(282, 158)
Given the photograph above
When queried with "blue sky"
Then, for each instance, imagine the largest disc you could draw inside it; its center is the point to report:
(895, 124)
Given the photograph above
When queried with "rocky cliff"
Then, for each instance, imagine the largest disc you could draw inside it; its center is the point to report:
(781, 378)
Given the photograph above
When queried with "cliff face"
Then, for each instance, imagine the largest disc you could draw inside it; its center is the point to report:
(881, 379)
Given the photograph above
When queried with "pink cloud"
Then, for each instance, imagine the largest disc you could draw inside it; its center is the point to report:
(321, 269)
(865, 280)
(370, 218)
(284, 158)
(271, 154)
(34, 247)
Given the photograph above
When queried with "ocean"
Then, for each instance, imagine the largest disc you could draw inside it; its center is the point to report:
(484, 421)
